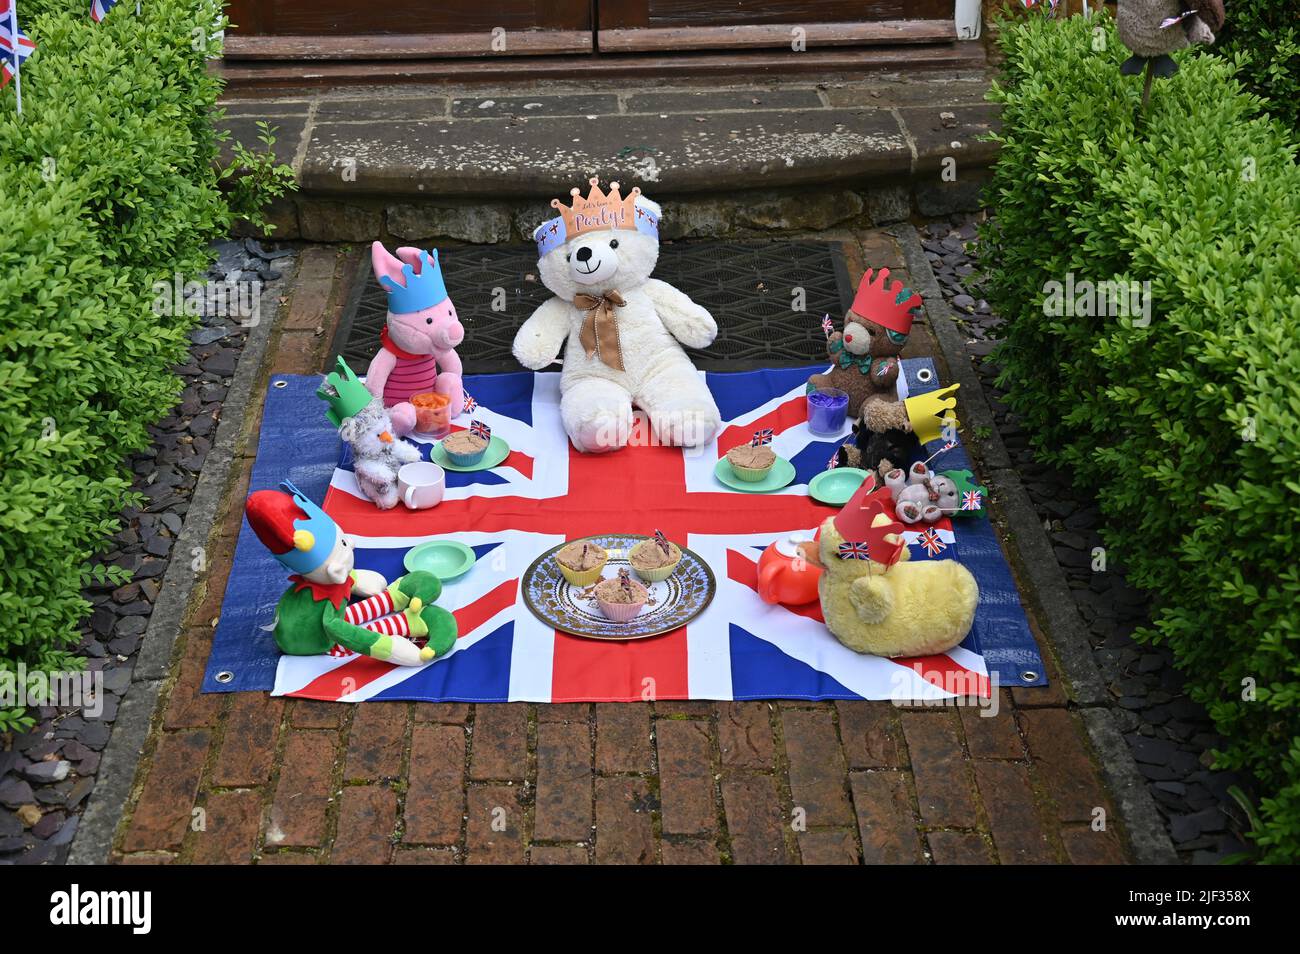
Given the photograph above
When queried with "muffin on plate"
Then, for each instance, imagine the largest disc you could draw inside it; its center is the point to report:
(621, 598)
(751, 463)
(464, 449)
(655, 558)
(581, 562)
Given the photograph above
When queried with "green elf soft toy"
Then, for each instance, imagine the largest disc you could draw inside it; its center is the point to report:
(313, 615)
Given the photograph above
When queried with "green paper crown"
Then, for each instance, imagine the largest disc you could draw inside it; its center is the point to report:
(343, 393)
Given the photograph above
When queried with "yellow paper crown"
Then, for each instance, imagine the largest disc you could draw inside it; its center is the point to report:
(599, 210)
(931, 412)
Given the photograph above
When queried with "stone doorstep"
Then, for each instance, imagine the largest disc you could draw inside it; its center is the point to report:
(428, 163)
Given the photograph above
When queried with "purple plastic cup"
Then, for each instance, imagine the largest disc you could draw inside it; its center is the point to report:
(827, 410)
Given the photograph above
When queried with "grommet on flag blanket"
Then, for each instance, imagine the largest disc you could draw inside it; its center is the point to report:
(625, 330)
(312, 617)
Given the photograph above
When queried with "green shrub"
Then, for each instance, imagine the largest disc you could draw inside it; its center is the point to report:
(1185, 428)
(1264, 35)
(109, 185)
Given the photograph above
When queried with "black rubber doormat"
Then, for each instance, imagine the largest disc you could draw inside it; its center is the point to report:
(751, 288)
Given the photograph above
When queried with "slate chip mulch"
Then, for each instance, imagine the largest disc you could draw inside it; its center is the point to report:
(1170, 735)
(48, 773)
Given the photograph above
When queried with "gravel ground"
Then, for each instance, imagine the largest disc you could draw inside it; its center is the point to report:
(47, 774)
(1170, 735)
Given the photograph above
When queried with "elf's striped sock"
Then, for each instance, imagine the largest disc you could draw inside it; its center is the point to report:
(389, 625)
(381, 604)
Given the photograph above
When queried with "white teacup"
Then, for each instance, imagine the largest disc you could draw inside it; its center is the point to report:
(421, 484)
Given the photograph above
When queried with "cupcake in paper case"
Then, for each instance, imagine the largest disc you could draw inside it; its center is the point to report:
(751, 463)
(622, 598)
(464, 449)
(581, 562)
(655, 558)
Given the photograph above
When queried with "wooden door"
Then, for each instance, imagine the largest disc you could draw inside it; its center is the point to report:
(625, 26)
(406, 29)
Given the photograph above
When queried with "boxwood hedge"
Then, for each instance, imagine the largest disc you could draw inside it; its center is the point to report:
(1185, 427)
(107, 184)
(1264, 36)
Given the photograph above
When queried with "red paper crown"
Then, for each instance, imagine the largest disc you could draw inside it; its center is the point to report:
(883, 551)
(885, 303)
(855, 522)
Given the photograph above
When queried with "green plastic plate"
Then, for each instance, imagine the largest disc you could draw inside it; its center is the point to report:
(445, 559)
(782, 473)
(497, 451)
(836, 486)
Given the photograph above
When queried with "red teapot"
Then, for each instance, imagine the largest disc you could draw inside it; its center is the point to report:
(788, 572)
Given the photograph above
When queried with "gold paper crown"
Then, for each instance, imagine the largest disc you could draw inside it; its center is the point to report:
(599, 210)
(931, 412)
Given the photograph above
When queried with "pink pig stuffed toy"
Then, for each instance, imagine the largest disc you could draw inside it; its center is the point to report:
(420, 337)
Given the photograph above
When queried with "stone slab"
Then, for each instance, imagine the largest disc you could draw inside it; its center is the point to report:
(957, 131)
(762, 148)
(487, 106)
(714, 100)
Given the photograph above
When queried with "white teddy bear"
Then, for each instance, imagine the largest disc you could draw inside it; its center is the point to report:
(377, 453)
(364, 423)
(625, 330)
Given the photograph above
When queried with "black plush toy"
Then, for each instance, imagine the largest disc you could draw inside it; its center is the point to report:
(877, 451)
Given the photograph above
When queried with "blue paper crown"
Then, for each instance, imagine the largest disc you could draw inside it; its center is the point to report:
(319, 524)
(419, 290)
(553, 233)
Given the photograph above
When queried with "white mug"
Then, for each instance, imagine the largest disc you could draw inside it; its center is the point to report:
(421, 484)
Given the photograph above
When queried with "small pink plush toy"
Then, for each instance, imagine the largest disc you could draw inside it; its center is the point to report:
(419, 338)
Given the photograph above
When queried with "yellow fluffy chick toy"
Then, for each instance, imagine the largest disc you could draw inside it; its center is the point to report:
(874, 601)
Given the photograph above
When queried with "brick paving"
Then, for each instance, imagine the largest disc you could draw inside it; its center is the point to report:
(243, 778)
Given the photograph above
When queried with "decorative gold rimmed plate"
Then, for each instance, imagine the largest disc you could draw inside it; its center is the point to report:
(672, 604)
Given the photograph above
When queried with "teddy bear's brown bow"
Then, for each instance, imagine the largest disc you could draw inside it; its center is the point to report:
(599, 335)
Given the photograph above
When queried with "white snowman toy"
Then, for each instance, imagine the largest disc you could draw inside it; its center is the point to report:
(625, 330)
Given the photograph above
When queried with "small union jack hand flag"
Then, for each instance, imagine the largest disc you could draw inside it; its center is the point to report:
(662, 541)
(971, 500)
(470, 403)
(479, 429)
(853, 551)
(834, 461)
(99, 9)
(1167, 22)
(930, 540)
(762, 437)
(827, 325)
(15, 45)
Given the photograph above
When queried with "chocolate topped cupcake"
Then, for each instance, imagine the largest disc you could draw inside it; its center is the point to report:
(655, 558)
(464, 449)
(581, 555)
(622, 598)
(581, 562)
(751, 463)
